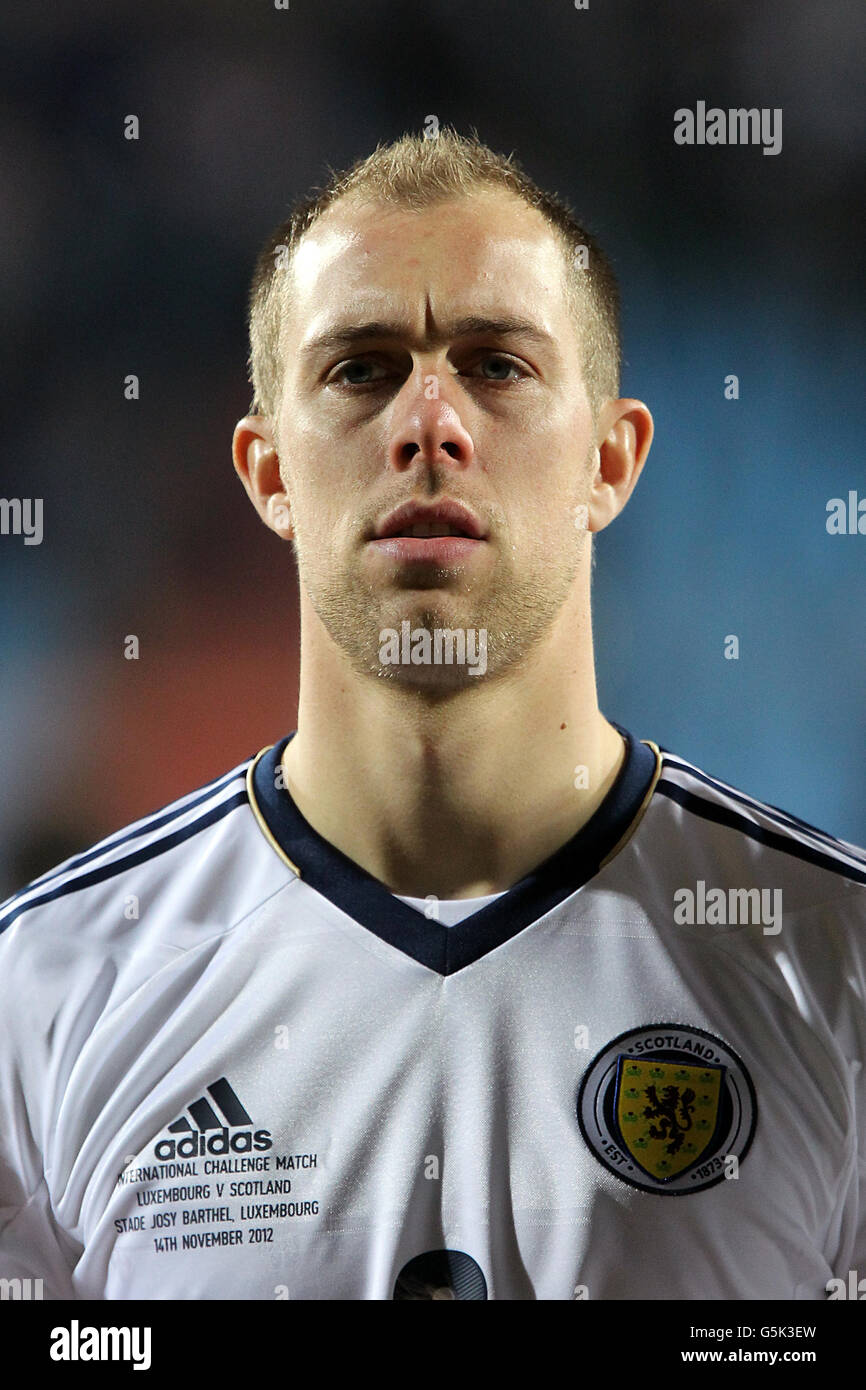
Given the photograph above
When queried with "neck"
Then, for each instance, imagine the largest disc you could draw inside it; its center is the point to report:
(460, 797)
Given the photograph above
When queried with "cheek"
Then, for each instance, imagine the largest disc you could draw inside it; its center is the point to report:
(327, 511)
(551, 527)
(306, 462)
(547, 480)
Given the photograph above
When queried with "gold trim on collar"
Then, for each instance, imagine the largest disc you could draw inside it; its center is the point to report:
(638, 817)
(263, 825)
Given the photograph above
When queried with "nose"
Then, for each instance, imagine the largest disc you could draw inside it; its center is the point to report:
(426, 423)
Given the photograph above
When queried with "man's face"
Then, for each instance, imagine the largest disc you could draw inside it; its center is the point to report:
(494, 418)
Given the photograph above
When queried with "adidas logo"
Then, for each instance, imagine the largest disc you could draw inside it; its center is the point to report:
(207, 1133)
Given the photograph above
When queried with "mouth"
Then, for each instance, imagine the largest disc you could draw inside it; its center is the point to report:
(425, 520)
(443, 533)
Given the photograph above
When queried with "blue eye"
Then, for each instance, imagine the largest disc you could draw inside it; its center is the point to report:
(503, 361)
(357, 364)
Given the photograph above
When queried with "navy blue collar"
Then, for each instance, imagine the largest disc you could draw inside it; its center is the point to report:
(448, 949)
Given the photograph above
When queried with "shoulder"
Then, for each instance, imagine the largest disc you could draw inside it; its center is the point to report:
(114, 935)
(782, 900)
(735, 828)
(142, 881)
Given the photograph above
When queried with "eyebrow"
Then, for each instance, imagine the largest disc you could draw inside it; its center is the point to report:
(471, 325)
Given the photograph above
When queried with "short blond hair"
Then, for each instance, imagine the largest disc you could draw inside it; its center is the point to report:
(415, 172)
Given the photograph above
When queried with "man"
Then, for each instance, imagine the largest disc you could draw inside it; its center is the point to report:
(445, 991)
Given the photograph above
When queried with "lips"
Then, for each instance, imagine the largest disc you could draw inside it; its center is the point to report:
(423, 521)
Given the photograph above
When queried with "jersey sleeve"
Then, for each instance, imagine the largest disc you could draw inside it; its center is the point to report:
(858, 1065)
(33, 1246)
(847, 1021)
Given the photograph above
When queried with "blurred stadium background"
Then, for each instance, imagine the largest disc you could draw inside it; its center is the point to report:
(119, 257)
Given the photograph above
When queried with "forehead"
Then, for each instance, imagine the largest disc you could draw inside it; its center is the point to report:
(468, 253)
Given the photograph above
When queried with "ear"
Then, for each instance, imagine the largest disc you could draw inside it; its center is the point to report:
(625, 433)
(257, 465)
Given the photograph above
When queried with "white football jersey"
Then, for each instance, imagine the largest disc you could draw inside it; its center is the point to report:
(236, 1066)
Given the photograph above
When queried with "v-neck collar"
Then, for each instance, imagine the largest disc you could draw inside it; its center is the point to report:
(447, 949)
